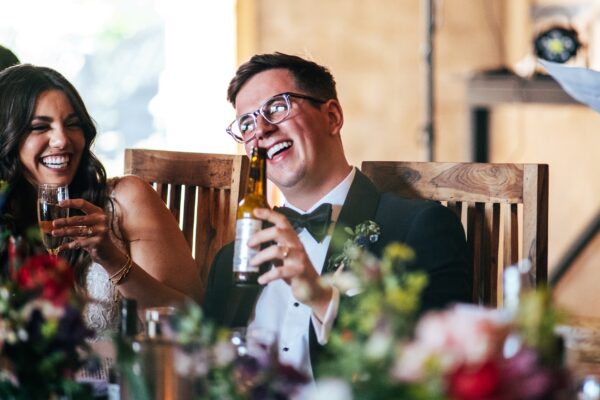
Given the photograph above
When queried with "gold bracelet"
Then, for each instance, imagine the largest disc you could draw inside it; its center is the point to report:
(122, 272)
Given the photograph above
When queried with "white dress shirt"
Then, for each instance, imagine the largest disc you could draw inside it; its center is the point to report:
(278, 311)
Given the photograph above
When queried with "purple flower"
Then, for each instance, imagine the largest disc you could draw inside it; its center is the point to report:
(71, 329)
(361, 240)
(267, 381)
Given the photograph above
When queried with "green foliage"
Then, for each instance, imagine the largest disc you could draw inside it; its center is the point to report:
(219, 369)
(535, 322)
(383, 307)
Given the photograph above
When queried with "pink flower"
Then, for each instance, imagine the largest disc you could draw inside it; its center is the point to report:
(447, 340)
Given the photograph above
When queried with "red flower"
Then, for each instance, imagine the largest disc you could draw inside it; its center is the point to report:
(50, 275)
(347, 335)
(474, 383)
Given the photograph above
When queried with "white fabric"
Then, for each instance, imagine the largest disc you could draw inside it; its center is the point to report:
(582, 84)
(101, 312)
(278, 311)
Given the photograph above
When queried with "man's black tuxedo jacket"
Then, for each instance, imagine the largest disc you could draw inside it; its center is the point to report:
(432, 230)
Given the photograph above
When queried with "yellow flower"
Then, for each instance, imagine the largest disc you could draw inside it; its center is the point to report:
(401, 300)
(398, 251)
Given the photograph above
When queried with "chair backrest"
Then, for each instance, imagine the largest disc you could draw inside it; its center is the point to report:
(497, 204)
(201, 190)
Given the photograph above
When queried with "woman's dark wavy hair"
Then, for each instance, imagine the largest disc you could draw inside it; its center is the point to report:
(20, 87)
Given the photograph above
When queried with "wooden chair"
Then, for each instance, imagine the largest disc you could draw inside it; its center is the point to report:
(201, 190)
(497, 203)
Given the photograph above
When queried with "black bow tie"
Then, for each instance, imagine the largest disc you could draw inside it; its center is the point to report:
(316, 222)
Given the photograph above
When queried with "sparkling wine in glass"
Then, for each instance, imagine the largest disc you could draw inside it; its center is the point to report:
(49, 195)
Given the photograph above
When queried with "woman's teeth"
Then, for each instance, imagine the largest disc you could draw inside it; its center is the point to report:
(278, 148)
(55, 162)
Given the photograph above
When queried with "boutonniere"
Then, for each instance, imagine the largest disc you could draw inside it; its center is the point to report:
(360, 238)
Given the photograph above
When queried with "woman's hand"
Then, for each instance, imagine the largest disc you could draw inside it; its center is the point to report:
(89, 231)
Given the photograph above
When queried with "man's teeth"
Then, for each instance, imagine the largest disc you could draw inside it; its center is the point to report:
(277, 148)
(56, 161)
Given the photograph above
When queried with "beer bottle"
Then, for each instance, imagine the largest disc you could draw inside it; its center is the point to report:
(119, 388)
(247, 224)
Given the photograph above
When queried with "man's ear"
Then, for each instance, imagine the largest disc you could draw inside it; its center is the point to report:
(335, 116)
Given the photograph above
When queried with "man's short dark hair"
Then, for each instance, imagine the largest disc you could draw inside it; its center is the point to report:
(7, 58)
(310, 77)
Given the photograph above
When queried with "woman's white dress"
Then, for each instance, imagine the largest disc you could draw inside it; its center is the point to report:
(101, 312)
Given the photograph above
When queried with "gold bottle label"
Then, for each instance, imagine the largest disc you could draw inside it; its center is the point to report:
(244, 229)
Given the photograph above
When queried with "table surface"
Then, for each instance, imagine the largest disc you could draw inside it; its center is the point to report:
(489, 88)
(582, 345)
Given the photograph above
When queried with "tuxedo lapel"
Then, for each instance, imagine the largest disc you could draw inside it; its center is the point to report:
(360, 205)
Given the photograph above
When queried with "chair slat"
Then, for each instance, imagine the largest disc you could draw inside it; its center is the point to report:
(492, 222)
(475, 243)
(511, 235)
(163, 191)
(535, 226)
(205, 229)
(456, 206)
(175, 201)
(189, 209)
(217, 207)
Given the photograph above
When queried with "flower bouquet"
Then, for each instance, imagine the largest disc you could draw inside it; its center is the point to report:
(42, 334)
(467, 352)
(381, 350)
(379, 308)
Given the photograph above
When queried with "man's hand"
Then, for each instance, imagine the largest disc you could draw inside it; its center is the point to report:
(293, 264)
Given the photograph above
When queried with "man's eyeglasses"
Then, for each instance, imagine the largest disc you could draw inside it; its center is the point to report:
(275, 110)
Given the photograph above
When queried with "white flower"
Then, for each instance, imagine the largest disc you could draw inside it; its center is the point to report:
(346, 282)
(22, 335)
(378, 345)
(49, 311)
(409, 367)
(331, 389)
(224, 353)
(302, 292)
(11, 337)
(461, 335)
(183, 362)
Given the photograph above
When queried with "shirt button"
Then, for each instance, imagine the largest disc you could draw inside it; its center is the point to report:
(296, 304)
(286, 349)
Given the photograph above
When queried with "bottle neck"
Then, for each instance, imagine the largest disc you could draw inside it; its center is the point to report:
(257, 181)
(128, 315)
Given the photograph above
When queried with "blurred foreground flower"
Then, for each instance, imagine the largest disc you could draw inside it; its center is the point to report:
(217, 361)
(379, 350)
(478, 353)
(42, 334)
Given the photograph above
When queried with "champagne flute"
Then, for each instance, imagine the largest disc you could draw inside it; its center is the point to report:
(49, 195)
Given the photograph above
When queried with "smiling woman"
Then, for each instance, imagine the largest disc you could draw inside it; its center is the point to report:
(117, 228)
(51, 153)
